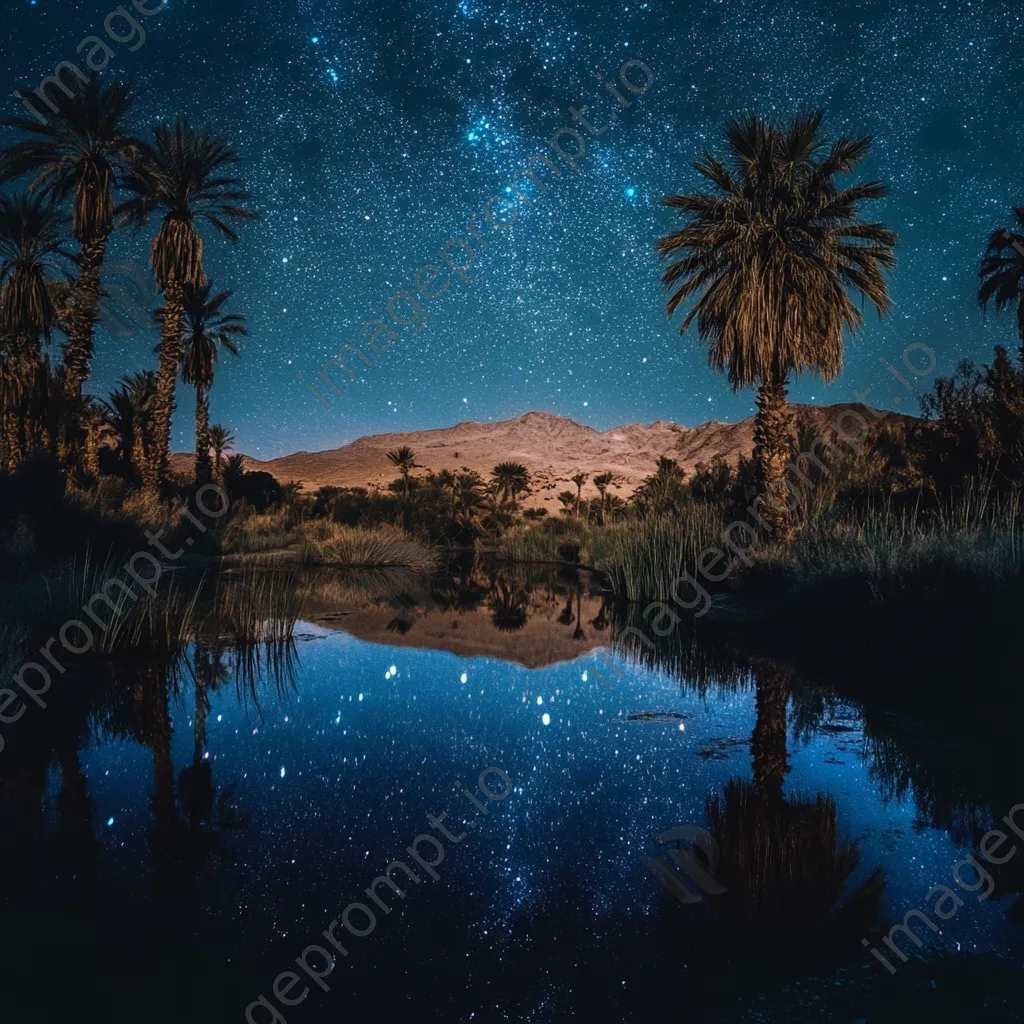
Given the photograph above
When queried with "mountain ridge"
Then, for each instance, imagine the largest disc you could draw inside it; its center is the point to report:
(553, 448)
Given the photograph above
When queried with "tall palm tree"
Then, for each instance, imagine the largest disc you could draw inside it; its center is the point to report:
(773, 252)
(579, 480)
(1002, 272)
(404, 460)
(207, 327)
(181, 175)
(30, 252)
(510, 478)
(220, 442)
(79, 150)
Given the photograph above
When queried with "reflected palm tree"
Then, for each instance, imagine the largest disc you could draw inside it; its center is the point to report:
(158, 730)
(508, 607)
(195, 783)
(783, 866)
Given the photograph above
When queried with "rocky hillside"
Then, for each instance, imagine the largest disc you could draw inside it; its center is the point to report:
(553, 448)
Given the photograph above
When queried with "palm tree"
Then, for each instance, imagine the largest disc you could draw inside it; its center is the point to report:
(29, 247)
(404, 460)
(772, 253)
(510, 478)
(182, 175)
(1002, 272)
(470, 501)
(602, 482)
(446, 482)
(129, 411)
(567, 500)
(220, 441)
(663, 492)
(579, 480)
(207, 326)
(98, 430)
(80, 150)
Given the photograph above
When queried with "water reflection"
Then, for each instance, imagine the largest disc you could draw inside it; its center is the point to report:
(202, 841)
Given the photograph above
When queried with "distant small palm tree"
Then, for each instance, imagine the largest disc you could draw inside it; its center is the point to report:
(207, 328)
(220, 442)
(446, 483)
(579, 480)
(234, 470)
(1002, 272)
(567, 500)
(404, 460)
(510, 478)
(663, 493)
(602, 482)
(470, 500)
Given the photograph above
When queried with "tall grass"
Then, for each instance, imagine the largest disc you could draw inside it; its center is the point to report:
(548, 541)
(642, 558)
(324, 542)
(977, 534)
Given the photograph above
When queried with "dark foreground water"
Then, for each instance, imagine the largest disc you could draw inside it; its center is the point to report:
(154, 873)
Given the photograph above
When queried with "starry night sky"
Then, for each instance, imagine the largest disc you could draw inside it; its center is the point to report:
(371, 132)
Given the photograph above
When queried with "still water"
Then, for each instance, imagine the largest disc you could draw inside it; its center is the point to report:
(174, 867)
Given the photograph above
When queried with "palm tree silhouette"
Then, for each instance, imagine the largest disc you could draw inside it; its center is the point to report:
(129, 411)
(1002, 272)
(181, 174)
(221, 441)
(404, 460)
(30, 254)
(510, 478)
(579, 480)
(79, 150)
(508, 607)
(784, 865)
(602, 482)
(207, 328)
(772, 253)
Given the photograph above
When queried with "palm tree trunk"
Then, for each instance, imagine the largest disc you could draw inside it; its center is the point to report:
(203, 469)
(84, 314)
(772, 427)
(155, 468)
(768, 743)
(199, 731)
(34, 402)
(136, 458)
(10, 445)
(92, 451)
(160, 731)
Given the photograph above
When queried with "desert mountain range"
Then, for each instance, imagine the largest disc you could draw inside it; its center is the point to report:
(553, 448)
